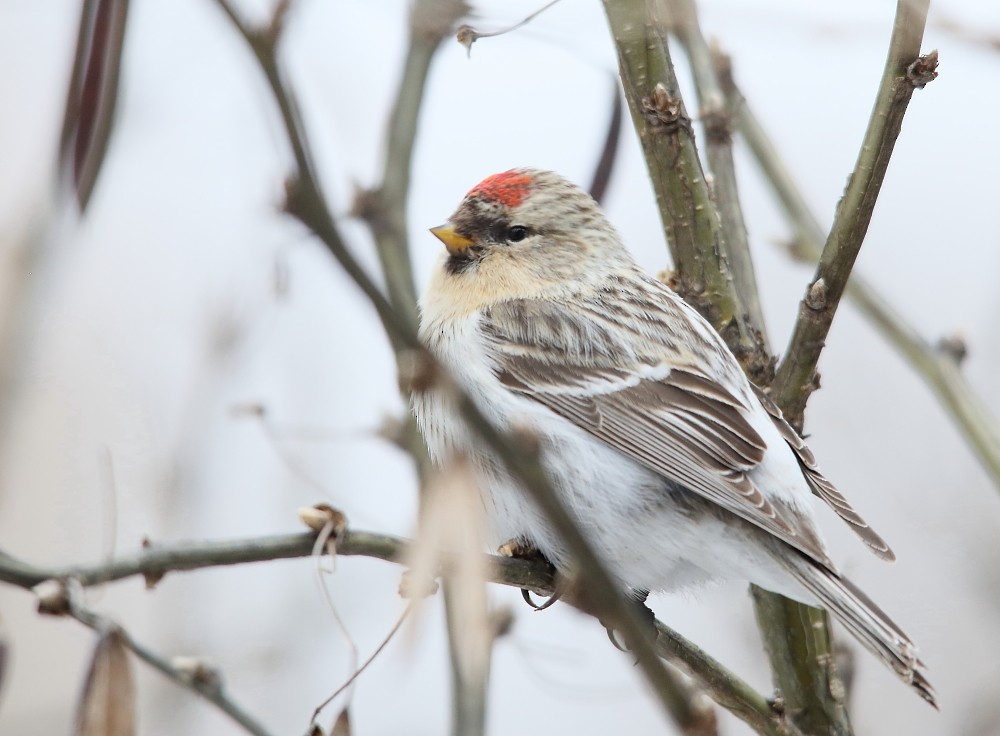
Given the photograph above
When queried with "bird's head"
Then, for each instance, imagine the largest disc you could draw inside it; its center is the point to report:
(529, 230)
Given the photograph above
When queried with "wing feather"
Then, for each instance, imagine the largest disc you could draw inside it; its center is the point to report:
(677, 422)
(820, 485)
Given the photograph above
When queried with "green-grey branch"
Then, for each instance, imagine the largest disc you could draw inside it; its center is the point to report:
(905, 70)
(690, 220)
(716, 116)
(939, 369)
(305, 199)
(384, 206)
(156, 560)
(202, 680)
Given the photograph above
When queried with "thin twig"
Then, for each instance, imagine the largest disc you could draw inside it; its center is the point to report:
(384, 207)
(938, 369)
(305, 199)
(360, 670)
(325, 542)
(153, 562)
(609, 152)
(208, 687)
(467, 35)
(905, 71)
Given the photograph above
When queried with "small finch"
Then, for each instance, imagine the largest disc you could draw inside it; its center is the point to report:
(676, 467)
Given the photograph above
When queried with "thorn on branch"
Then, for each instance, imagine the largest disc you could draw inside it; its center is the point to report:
(816, 298)
(953, 347)
(417, 587)
(150, 579)
(467, 35)
(321, 516)
(201, 673)
(923, 71)
(663, 111)
(52, 597)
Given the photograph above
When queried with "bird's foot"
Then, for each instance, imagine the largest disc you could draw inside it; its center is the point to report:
(521, 549)
(637, 598)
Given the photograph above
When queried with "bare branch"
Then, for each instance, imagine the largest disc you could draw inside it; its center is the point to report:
(717, 118)
(202, 681)
(905, 71)
(609, 153)
(384, 207)
(467, 35)
(305, 199)
(690, 220)
(798, 644)
(939, 370)
(798, 671)
(155, 561)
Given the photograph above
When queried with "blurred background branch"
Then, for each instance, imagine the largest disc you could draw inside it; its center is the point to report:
(905, 70)
(707, 220)
(154, 561)
(307, 202)
(691, 223)
(939, 368)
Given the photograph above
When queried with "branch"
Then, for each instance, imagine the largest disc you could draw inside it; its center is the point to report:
(690, 220)
(603, 596)
(716, 115)
(305, 199)
(939, 369)
(155, 561)
(200, 679)
(800, 649)
(904, 71)
(795, 636)
(384, 207)
(609, 152)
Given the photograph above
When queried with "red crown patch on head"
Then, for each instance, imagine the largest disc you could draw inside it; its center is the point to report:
(509, 188)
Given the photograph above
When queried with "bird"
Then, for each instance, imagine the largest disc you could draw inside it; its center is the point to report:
(675, 466)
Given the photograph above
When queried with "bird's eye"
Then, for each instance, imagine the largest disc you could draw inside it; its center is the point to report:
(517, 233)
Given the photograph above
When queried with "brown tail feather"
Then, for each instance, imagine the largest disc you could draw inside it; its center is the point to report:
(865, 620)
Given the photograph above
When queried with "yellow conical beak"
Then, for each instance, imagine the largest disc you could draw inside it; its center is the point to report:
(455, 243)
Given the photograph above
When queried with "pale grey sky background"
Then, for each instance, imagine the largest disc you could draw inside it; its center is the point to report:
(183, 243)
